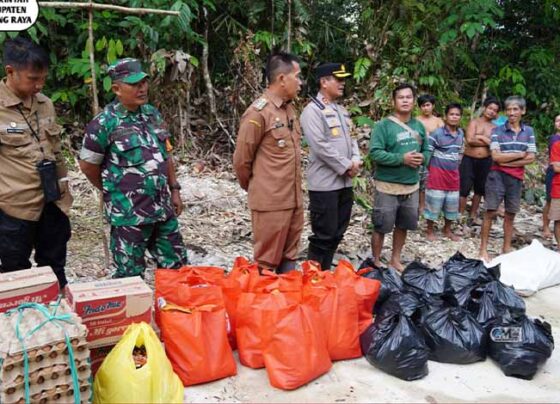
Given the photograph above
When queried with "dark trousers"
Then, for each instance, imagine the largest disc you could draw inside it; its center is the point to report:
(48, 237)
(330, 213)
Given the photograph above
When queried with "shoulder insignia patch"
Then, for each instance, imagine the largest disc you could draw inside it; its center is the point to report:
(255, 123)
(260, 104)
(318, 103)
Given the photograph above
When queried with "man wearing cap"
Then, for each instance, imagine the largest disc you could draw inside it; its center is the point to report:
(334, 159)
(267, 162)
(34, 196)
(127, 154)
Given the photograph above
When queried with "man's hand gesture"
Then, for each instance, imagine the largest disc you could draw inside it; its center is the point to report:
(413, 159)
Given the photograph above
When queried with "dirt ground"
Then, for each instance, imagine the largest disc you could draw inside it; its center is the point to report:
(216, 227)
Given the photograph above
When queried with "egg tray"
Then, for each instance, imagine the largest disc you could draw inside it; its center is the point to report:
(46, 379)
(63, 393)
(44, 357)
(47, 354)
(50, 334)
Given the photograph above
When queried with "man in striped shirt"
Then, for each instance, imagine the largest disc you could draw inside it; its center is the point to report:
(442, 189)
(513, 147)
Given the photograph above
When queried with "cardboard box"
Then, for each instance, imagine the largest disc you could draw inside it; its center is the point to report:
(108, 307)
(98, 355)
(35, 285)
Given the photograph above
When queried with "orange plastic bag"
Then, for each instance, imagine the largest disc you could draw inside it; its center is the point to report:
(166, 280)
(195, 333)
(243, 272)
(212, 275)
(252, 311)
(296, 349)
(366, 290)
(231, 291)
(269, 281)
(338, 307)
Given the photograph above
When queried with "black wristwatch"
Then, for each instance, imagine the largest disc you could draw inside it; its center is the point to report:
(175, 186)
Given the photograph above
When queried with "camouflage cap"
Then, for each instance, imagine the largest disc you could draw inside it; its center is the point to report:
(127, 70)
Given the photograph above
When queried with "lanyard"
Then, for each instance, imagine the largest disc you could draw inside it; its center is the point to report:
(35, 134)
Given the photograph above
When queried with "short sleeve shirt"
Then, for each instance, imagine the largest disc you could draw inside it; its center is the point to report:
(555, 158)
(131, 148)
(446, 149)
(505, 140)
(28, 135)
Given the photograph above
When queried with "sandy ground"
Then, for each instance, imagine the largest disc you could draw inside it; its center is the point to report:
(358, 381)
(216, 228)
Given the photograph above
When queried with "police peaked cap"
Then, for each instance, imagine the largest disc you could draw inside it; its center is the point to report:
(332, 69)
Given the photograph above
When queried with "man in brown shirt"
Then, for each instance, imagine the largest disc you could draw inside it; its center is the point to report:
(267, 162)
(34, 196)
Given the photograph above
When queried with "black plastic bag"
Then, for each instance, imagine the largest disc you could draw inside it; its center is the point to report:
(390, 281)
(463, 274)
(520, 346)
(393, 343)
(486, 310)
(403, 302)
(453, 335)
(423, 279)
(500, 295)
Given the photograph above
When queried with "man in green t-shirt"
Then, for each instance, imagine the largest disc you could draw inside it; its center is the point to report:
(398, 146)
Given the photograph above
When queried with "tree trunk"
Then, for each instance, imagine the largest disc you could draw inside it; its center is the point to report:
(95, 110)
(289, 47)
(205, 70)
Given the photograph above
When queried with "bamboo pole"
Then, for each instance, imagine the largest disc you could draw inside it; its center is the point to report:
(111, 7)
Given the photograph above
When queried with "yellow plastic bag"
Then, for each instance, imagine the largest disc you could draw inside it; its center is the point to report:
(118, 380)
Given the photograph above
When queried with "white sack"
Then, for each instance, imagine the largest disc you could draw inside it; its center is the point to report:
(529, 269)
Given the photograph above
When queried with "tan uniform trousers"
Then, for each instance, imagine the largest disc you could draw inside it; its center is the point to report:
(276, 236)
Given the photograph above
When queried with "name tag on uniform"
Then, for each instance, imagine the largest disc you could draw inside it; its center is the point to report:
(14, 130)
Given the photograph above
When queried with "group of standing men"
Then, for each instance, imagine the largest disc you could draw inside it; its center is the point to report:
(267, 163)
(422, 166)
(126, 154)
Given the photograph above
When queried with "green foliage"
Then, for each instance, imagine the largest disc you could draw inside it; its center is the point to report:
(458, 51)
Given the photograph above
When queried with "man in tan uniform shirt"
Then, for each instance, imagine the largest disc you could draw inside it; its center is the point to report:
(31, 216)
(267, 162)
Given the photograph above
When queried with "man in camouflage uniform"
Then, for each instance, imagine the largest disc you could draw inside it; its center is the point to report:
(334, 159)
(267, 162)
(31, 217)
(126, 154)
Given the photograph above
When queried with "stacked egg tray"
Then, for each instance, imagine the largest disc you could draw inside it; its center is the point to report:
(49, 372)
